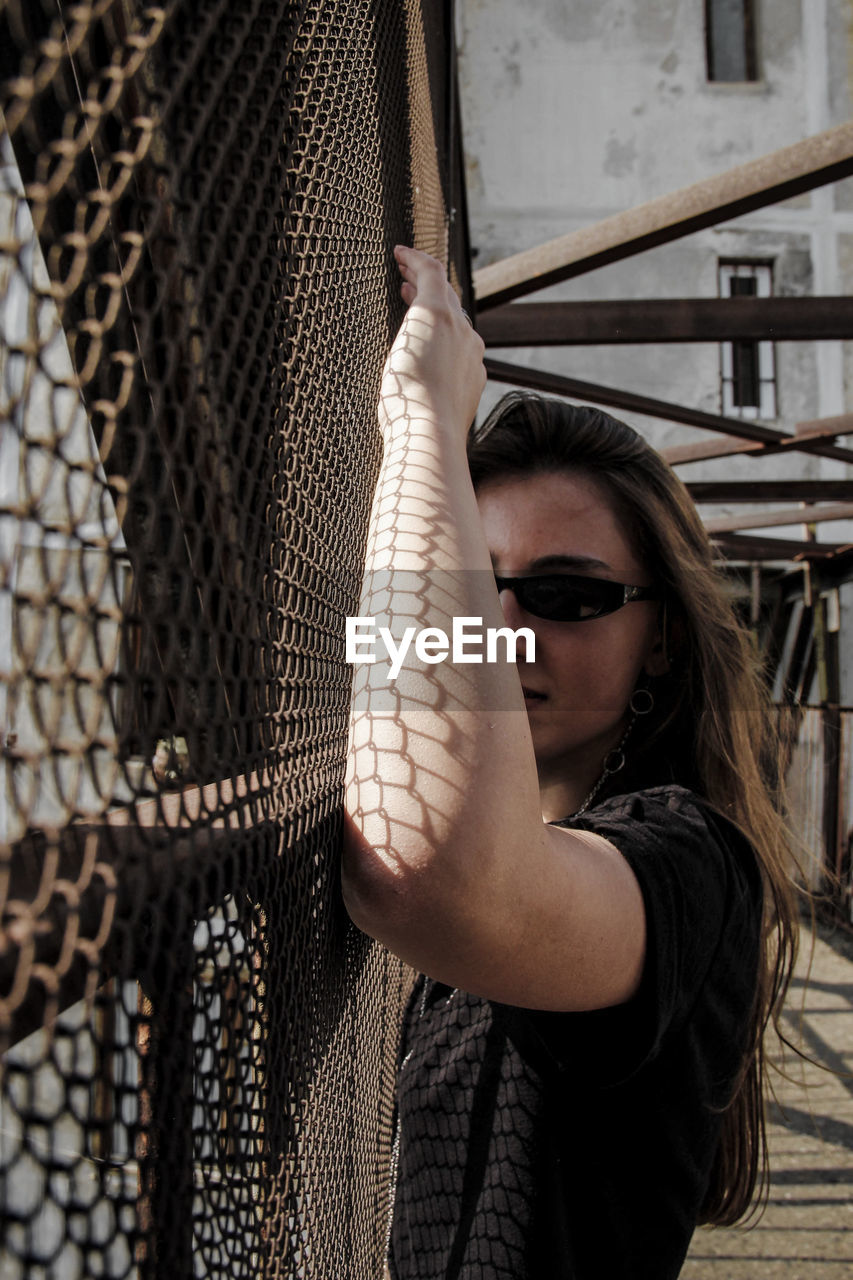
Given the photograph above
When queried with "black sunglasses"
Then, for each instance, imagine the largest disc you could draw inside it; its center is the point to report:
(568, 597)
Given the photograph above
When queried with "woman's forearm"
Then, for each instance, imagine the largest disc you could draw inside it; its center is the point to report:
(446, 857)
(442, 773)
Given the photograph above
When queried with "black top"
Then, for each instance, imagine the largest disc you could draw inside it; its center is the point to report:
(578, 1146)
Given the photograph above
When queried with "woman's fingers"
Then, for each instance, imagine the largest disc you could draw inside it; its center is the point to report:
(428, 276)
(404, 261)
(425, 279)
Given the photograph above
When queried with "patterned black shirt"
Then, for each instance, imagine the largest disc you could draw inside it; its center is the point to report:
(578, 1146)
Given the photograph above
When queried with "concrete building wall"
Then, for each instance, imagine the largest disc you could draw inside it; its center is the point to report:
(575, 110)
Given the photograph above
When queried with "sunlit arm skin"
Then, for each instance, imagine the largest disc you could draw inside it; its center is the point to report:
(447, 860)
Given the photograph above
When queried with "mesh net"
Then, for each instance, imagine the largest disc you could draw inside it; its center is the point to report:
(198, 202)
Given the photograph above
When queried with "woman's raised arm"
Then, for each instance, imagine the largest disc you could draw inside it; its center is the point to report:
(447, 860)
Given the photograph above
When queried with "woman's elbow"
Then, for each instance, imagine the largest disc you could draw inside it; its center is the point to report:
(361, 904)
(368, 887)
(386, 895)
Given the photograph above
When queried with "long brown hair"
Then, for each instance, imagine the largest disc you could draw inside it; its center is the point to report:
(713, 727)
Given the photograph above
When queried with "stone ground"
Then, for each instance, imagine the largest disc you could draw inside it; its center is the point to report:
(806, 1231)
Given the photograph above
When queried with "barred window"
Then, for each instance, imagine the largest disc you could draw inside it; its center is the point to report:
(748, 367)
(730, 40)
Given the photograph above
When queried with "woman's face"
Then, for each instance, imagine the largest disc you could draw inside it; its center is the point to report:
(578, 687)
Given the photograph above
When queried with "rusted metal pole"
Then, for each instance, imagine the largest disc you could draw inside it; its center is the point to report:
(774, 519)
(815, 440)
(823, 158)
(741, 546)
(752, 435)
(595, 323)
(771, 490)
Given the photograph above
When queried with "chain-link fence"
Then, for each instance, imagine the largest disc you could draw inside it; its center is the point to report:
(196, 295)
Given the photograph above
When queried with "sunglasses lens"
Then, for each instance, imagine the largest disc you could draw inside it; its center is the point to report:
(562, 598)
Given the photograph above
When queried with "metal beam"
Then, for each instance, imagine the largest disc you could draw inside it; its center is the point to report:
(166, 846)
(840, 425)
(744, 547)
(771, 490)
(775, 519)
(825, 157)
(832, 573)
(564, 324)
(753, 435)
(701, 450)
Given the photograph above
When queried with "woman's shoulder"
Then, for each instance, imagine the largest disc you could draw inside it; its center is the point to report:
(703, 897)
(676, 828)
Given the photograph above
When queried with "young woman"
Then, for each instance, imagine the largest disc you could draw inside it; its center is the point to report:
(577, 849)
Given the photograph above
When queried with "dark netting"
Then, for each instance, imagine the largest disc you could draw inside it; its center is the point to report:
(196, 296)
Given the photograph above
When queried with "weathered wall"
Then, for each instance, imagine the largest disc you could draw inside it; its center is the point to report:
(577, 109)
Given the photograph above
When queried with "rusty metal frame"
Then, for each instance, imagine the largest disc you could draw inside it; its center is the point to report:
(735, 546)
(776, 519)
(806, 435)
(665, 320)
(771, 490)
(793, 170)
(822, 158)
(753, 436)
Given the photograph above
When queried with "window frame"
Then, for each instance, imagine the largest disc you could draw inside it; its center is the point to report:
(767, 408)
(714, 14)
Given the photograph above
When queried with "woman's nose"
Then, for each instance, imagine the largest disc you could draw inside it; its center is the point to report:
(516, 618)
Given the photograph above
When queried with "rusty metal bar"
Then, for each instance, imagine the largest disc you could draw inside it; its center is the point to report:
(563, 324)
(171, 847)
(561, 384)
(825, 157)
(828, 573)
(775, 519)
(840, 425)
(753, 435)
(737, 546)
(701, 450)
(833, 835)
(771, 490)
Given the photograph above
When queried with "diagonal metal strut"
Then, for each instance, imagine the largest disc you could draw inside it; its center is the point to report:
(825, 157)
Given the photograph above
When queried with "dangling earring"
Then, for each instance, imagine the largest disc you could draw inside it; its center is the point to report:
(641, 702)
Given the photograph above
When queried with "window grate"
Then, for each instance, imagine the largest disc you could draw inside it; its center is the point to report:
(748, 368)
